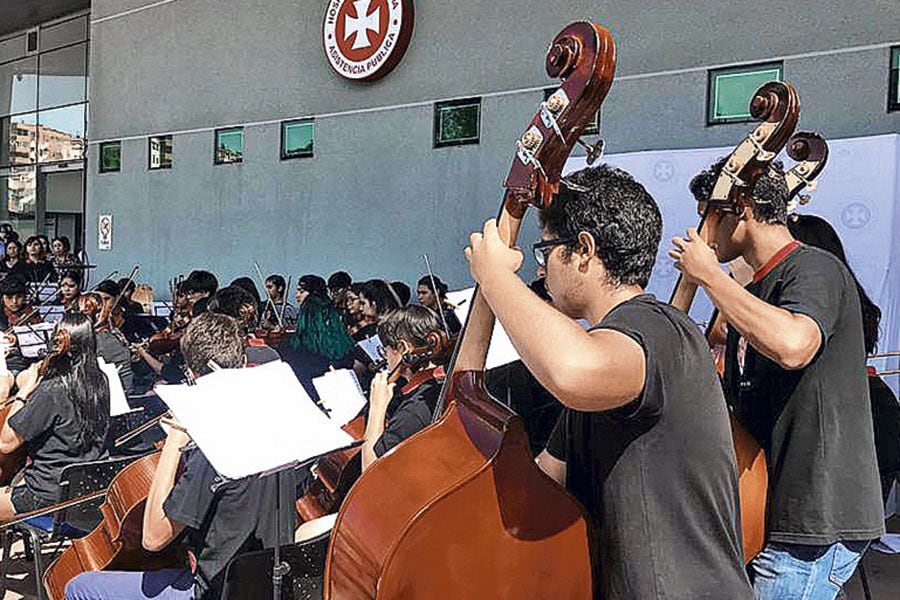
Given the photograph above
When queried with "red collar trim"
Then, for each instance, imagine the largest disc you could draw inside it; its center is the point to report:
(871, 371)
(251, 341)
(775, 260)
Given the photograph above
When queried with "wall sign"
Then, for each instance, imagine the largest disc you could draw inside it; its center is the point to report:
(104, 232)
(365, 39)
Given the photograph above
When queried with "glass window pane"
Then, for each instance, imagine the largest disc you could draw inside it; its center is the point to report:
(18, 86)
(63, 34)
(457, 122)
(229, 145)
(732, 89)
(297, 139)
(18, 140)
(12, 48)
(62, 74)
(160, 152)
(110, 157)
(61, 134)
(18, 190)
(894, 81)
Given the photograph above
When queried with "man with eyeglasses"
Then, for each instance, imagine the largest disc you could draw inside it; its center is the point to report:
(795, 373)
(644, 442)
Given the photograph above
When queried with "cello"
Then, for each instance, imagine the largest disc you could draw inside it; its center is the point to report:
(461, 510)
(777, 106)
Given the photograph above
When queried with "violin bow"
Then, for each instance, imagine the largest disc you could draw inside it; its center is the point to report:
(435, 291)
(284, 300)
(131, 276)
(269, 302)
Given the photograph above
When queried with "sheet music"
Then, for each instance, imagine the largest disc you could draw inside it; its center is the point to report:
(118, 402)
(247, 421)
(42, 293)
(33, 338)
(501, 350)
(52, 313)
(340, 394)
(372, 347)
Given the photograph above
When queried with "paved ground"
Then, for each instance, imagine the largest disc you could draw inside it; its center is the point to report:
(883, 571)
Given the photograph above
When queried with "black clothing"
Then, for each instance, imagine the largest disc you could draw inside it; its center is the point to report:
(49, 427)
(452, 320)
(40, 272)
(173, 368)
(658, 474)
(20, 269)
(227, 517)
(815, 423)
(24, 500)
(112, 350)
(515, 386)
(407, 414)
(886, 418)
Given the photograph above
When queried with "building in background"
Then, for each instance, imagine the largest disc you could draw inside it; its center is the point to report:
(219, 134)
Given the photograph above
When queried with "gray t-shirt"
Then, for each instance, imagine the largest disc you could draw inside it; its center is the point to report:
(658, 475)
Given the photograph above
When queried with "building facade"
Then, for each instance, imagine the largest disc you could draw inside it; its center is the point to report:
(219, 135)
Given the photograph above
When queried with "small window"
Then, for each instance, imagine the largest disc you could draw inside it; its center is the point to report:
(894, 80)
(229, 145)
(593, 128)
(110, 157)
(730, 91)
(297, 138)
(457, 122)
(159, 149)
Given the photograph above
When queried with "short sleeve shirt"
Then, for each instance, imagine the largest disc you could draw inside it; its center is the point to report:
(227, 517)
(815, 423)
(407, 415)
(50, 428)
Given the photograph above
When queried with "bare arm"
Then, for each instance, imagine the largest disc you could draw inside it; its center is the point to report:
(159, 530)
(380, 394)
(10, 441)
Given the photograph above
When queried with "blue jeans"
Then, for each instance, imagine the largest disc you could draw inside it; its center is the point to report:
(801, 572)
(165, 584)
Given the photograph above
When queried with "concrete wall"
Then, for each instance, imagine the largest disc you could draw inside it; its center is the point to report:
(377, 195)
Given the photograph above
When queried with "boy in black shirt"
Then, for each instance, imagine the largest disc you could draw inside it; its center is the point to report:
(393, 417)
(648, 447)
(221, 518)
(795, 372)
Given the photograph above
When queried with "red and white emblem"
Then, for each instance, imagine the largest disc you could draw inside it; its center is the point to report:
(365, 39)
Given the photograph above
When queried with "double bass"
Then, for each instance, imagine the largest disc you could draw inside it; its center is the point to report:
(461, 510)
(777, 106)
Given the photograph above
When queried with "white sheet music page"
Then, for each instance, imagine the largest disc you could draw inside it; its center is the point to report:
(248, 421)
(501, 351)
(340, 394)
(372, 347)
(33, 338)
(118, 403)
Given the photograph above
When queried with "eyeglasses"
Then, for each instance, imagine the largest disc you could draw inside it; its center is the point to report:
(543, 249)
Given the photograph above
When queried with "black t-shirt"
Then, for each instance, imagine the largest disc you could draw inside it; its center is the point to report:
(515, 386)
(658, 474)
(112, 350)
(815, 423)
(886, 417)
(40, 272)
(227, 517)
(50, 429)
(408, 414)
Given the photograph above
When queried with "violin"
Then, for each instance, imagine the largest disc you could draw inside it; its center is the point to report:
(115, 544)
(777, 106)
(335, 473)
(461, 510)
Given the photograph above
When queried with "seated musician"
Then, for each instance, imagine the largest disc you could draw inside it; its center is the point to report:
(69, 288)
(16, 311)
(61, 418)
(62, 257)
(396, 414)
(238, 304)
(112, 346)
(647, 445)
(433, 294)
(199, 285)
(286, 312)
(221, 518)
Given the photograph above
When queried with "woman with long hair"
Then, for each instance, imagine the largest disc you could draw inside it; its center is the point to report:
(69, 288)
(320, 339)
(432, 293)
(12, 262)
(38, 268)
(61, 417)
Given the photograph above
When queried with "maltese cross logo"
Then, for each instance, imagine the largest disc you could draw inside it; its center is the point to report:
(360, 25)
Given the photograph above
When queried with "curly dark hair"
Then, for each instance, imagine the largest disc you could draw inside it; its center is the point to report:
(618, 212)
(213, 337)
(769, 195)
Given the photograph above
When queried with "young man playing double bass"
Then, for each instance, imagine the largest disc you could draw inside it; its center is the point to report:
(220, 518)
(647, 446)
(795, 372)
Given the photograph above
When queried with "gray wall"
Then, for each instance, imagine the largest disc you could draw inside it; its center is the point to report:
(377, 195)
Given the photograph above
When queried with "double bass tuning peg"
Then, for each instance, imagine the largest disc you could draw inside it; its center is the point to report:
(594, 151)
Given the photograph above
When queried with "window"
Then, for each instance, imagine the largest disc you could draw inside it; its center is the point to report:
(593, 128)
(297, 138)
(457, 122)
(62, 76)
(894, 80)
(159, 149)
(730, 91)
(18, 93)
(229, 145)
(110, 157)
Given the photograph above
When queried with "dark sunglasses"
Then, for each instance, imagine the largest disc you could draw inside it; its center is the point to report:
(543, 249)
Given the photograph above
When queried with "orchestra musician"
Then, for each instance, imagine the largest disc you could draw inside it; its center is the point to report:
(646, 442)
(38, 268)
(278, 307)
(62, 257)
(239, 305)
(397, 413)
(795, 372)
(221, 518)
(112, 346)
(13, 263)
(69, 288)
(61, 416)
(435, 297)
